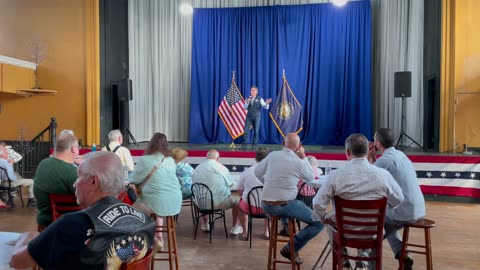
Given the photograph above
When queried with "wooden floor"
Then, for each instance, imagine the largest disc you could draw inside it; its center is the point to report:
(456, 244)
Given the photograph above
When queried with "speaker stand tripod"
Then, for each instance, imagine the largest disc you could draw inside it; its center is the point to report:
(130, 138)
(402, 132)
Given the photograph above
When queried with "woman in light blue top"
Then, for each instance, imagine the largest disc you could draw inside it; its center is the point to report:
(184, 171)
(161, 193)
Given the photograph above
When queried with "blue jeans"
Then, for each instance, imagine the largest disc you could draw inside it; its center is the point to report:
(392, 235)
(255, 123)
(298, 210)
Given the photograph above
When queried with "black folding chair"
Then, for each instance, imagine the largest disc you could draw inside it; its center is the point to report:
(254, 208)
(202, 199)
(7, 188)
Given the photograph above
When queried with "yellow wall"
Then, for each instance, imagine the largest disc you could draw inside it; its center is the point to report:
(60, 24)
(467, 72)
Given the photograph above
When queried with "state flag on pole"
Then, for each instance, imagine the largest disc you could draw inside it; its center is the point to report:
(231, 111)
(286, 112)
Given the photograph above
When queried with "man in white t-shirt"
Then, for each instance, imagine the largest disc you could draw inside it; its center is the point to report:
(115, 146)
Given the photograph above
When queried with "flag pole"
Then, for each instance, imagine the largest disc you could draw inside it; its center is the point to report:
(232, 145)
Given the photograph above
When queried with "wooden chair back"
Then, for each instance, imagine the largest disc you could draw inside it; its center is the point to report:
(63, 203)
(360, 226)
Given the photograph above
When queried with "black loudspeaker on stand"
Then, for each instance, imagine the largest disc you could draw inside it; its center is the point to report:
(122, 94)
(403, 89)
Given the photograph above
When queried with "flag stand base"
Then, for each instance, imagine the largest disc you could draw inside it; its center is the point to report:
(232, 145)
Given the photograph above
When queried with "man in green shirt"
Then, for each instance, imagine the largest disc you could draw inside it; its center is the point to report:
(55, 175)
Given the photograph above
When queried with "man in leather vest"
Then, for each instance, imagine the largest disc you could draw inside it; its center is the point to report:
(253, 105)
(102, 236)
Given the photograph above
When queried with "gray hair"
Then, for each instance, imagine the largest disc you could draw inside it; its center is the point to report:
(108, 168)
(64, 143)
(66, 132)
(313, 161)
(114, 135)
(213, 154)
(357, 144)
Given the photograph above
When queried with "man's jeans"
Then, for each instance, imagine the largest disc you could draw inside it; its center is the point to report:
(255, 123)
(391, 234)
(298, 210)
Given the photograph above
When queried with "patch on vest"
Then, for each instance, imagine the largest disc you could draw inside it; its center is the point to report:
(126, 249)
(118, 211)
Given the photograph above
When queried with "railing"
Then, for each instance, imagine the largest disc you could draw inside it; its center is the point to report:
(35, 150)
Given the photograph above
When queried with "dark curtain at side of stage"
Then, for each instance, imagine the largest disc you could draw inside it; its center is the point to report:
(325, 51)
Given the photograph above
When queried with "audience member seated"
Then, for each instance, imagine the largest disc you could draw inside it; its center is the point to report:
(280, 172)
(246, 182)
(218, 179)
(156, 180)
(357, 180)
(16, 180)
(102, 236)
(184, 171)
(55, 175)
(12, 154)
(402, 170)
(307, 190)
(115, 146)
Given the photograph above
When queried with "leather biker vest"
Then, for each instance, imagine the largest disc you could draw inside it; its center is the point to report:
(121, 233)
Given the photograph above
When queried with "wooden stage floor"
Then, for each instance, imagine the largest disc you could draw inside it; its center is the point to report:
(454, 239)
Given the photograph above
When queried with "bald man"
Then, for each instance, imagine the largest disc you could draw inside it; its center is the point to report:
(219, 180)
(280, 172)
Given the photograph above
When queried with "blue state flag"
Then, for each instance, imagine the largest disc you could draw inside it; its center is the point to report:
(286, 112)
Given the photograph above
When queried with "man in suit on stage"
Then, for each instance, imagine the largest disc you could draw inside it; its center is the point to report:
(253, 106)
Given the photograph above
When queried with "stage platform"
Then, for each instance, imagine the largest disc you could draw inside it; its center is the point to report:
(438, 173)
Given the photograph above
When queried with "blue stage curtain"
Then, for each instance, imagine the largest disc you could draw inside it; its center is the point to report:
(325, 51)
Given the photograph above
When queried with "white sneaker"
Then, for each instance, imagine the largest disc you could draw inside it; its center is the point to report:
(205, 227)
(236, 230)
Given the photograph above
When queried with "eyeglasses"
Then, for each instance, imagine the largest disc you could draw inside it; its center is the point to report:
(78, 146)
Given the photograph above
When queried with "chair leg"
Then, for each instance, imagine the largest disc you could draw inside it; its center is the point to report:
(196, 221)
(291, 233)
(211, 224)
(174, 237)
(191, 210)
(224, 224)
(249, 233)
(19, 189)
(428, 249)
(169, 241)
(404, 246)
(321, 255)
(273, 236)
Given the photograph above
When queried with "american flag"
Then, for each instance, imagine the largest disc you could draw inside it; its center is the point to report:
(231, 111)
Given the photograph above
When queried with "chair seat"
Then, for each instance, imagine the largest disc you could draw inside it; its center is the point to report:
(422, 223)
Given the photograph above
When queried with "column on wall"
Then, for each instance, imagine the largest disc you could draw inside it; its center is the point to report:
(92, 46)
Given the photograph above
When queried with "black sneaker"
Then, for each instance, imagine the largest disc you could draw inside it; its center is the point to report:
(285, 252)
(407, 262)
(284, 230)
